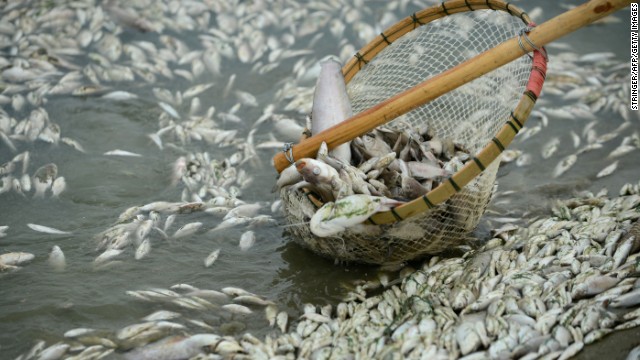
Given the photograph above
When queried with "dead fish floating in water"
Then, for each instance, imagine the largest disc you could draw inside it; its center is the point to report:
(47, 230)
(209, 260)
(56, 259)
(15, 258)
(176, 347)
(187, 230)
(608, 170)
(119, 152)
(43, 178)
(564, 165)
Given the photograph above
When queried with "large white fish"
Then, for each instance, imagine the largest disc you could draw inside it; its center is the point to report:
(107, 255)
(58, 186)
(43, 178)
(118, 152)
(347, 212)
(47, 230)
(143, 249)
(176, 347)
(55, 351)
(331, 104)
(247, 240)
(188, 229)
(56, 259)
(211, 258)
(16, 258)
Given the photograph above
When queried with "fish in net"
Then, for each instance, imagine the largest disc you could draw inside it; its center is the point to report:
(464, 120)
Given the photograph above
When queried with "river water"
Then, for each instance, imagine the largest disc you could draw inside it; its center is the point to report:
(38, 303)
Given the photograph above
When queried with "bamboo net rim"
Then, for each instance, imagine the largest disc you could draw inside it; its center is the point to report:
(494, 148)
(471, 169)
(498, 144)
(421, 18)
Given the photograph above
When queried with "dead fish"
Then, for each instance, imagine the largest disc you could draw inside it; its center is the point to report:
(608, 170)
(331, 104)
(316, 172)
(196, 90)
(43, 179)
(169, 110)
(246, 98)
(281, 320)
(287, 128)
(175, 347)
(252, 300)
(107, 255)
(509, 155)
(550, 147)
(271, 311)
(334, 217)
(623, 149)
(231, 222)
(524, 160)
(25, 182)
(632, 298)
(593, 285)
(73, 143)
(288, 176)
(56, 259)
(209, 260)
(168, 222)
(212, 295)
(118, 152)
(15, 258)
(143, 249)
(576, 139)
(235, 291)
(53, 352)
(246, 210)
(47, 230)
(237, 309)
(422, 170)
(120, 95)
(564, 165)
(247, 240)
(144, 229)
(161, 315)
(187, 230)
(58, 186)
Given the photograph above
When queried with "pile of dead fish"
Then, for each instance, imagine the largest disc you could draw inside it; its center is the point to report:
(166, 334)
(541, 291)
(44, 179)
(392, 166)
(210, 186)
(401, 165)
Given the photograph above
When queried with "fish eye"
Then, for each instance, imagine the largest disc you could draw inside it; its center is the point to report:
(316, 171)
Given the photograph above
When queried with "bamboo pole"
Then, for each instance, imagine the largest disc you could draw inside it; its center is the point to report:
(451, 79)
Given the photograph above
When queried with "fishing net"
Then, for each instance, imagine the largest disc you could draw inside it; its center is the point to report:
(479, 115)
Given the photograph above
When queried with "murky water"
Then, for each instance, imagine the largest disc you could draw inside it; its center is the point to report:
(37, 303)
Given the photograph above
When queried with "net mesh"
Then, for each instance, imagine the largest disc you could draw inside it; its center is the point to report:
(470, 115)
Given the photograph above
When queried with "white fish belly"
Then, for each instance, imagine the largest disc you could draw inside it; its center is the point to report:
(331, 105)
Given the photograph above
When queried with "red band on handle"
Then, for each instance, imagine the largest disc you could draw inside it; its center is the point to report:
(538, 72)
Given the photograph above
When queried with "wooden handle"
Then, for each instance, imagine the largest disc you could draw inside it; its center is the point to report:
(451, 79)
